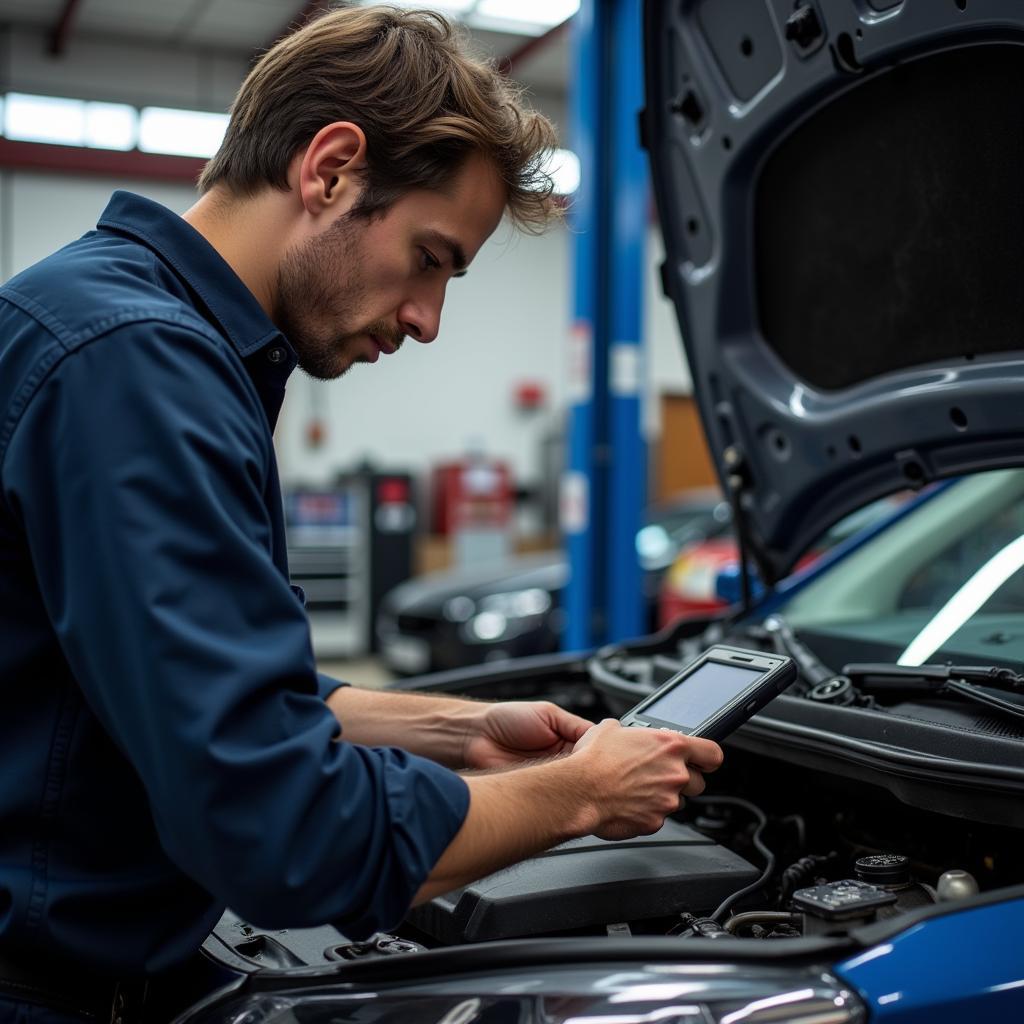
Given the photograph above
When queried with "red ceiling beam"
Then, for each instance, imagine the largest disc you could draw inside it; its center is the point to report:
(61, 30)
(37, 156)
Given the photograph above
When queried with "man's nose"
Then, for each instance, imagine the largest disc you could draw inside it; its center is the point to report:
(420, 320)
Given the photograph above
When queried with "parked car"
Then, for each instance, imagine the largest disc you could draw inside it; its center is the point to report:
(513, 608)
(838, 185)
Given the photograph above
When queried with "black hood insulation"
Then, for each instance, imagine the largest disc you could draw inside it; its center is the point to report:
(890, 225)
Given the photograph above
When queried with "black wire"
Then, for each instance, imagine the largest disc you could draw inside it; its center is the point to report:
(802, 870)
(762, 823)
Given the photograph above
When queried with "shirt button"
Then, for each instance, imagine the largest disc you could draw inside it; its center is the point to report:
(277, 355)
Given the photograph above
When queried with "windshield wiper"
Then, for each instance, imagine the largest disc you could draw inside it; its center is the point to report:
(883, 676)
(999, 689)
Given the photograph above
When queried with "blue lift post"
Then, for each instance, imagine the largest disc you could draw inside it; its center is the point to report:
(604, 488)
(629, 202)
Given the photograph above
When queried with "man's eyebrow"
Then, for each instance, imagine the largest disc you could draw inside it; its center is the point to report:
(455, 251)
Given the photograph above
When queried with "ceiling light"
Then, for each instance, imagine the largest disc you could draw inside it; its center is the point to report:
(543, 14)
(44, 119)
(454, 7)
(445, 6)
(111, 125)
(181, 132)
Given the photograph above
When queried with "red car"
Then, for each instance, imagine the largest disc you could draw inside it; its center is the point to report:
(690, 585)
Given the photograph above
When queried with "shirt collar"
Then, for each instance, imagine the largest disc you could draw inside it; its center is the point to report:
(203, 269)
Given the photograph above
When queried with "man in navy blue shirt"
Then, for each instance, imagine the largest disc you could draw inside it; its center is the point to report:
(167, 746)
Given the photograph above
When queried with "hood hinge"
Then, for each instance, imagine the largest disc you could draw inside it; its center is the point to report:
(739, 485)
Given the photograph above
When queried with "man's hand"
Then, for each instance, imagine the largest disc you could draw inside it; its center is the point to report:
(518, 731)
(639, 776)
(617, 783)
(457, 733)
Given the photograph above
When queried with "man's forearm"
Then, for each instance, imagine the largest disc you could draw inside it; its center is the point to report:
(513, 815)
(424, 724)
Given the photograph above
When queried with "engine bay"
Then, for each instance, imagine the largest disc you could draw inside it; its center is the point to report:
(792, 840)
(798, 867)
(822, 842)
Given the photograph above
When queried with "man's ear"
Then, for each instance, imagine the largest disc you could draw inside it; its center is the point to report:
(330, 172)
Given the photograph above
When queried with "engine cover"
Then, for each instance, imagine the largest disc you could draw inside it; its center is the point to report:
(590, 882)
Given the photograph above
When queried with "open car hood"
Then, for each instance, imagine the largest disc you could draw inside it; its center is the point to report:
(839, 188)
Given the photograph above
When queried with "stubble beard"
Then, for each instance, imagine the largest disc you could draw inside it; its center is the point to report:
(320, 282)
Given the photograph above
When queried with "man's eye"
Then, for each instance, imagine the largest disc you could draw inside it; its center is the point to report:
(430, 262)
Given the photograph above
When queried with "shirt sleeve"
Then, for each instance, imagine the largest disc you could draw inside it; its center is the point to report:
(141, 472)
(326, 685)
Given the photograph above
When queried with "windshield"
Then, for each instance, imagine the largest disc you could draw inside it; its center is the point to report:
(945, 583)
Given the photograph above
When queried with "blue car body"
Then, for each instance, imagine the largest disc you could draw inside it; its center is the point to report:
(960, 966)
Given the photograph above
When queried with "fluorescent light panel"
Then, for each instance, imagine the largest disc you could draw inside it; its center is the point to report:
(523, 17)
(543, 13)
(181, 132)
(118, 126)
(111, 125)
(44, 119)
(452, 7)
(68, 122)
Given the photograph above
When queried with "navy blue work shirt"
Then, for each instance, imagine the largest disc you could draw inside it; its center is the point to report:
(165, 748)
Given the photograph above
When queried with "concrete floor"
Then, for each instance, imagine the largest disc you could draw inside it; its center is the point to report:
(369, 673)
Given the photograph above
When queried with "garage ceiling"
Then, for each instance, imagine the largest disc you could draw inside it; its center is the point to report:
(246, 26)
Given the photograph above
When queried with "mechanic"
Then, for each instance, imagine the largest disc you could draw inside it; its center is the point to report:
(168, 748)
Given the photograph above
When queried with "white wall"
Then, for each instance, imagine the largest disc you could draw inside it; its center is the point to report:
(41, 212)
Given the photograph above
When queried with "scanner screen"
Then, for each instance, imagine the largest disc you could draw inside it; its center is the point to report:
(700, 695)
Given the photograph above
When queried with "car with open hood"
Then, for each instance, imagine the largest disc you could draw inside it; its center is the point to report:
(839, 186)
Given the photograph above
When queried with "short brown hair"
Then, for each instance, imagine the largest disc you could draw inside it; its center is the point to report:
(422, 102)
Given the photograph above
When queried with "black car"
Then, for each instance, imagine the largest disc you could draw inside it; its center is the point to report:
(513, 608)
(839, 184)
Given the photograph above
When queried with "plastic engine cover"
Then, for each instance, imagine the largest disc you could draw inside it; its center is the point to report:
(589, 882)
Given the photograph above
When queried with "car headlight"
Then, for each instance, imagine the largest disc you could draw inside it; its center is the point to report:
(459, 608)
(502, 616)
(654, 547)
(612, 993)
(488, 626)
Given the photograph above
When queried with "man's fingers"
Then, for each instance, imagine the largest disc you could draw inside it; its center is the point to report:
(695, 784)
(703, 754)
(563, 724)
(572, 727)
